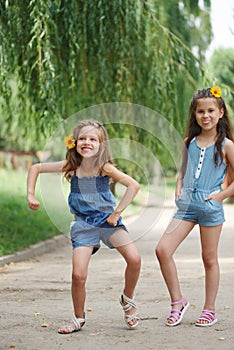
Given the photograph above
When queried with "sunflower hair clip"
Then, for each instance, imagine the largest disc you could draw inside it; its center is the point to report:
(69, 142)
(216, 91)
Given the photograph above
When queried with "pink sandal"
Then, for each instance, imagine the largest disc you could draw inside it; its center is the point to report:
(177, 315)
(208, 316)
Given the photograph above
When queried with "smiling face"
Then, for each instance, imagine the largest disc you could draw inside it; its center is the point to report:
(207, 113)
(88, 142)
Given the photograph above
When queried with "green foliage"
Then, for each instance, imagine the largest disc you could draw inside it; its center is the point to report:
(61, 56)
(19, 226)
(222, 65)
(150, 142)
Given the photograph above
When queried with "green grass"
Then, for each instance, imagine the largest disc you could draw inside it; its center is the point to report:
(20, 227)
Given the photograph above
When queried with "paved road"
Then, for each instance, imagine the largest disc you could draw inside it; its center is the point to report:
(35, 296)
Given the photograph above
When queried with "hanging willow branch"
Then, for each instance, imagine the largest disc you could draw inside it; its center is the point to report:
(60, 56)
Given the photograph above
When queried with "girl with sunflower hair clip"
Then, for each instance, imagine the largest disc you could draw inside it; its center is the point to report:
(89, 167)
(208, 151)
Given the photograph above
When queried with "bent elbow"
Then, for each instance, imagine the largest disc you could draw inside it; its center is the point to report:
(136, 187)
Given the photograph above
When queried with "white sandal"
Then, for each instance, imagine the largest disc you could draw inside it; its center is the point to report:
(127, 304)
(77, 322)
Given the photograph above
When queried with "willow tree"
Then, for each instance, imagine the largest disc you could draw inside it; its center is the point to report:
(60, 56)
(221, 64)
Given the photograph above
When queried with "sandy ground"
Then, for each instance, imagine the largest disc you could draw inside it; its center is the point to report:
(35, 297)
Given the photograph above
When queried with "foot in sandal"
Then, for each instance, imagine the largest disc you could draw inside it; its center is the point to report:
(131, 316)
(75, 325)
(207, 319)
(177, 314)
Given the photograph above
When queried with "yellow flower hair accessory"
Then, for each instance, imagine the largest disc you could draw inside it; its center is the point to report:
(215, 91)
(69, 142)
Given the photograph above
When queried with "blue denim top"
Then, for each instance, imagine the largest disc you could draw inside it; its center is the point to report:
(91, 197)
(201, 173)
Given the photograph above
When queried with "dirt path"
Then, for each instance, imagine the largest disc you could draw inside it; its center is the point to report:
(35, 298)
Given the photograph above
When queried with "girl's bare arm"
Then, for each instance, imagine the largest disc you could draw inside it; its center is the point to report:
(132, 187)
(34, 171)
(229, 190)
(180, 178)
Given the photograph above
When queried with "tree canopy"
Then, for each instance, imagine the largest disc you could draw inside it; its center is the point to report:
(222, 65)
(60, 56)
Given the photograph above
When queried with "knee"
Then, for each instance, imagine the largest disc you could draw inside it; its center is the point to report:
(79, 278)
(135, 262)
(209, 260)
(161, 252)
(138, 262)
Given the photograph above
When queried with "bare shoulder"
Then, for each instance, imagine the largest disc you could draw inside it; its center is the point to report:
(183, 144)
(229, 143)
(229, 151)
(119, 176)
(229, 146)
(109, 169)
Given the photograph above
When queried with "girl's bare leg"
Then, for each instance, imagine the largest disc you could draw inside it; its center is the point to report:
(80, 262)
(175, 233)
(126, 247)
(209, 242)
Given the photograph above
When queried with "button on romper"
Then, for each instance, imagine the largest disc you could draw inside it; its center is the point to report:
(91, 201)
(201, 179)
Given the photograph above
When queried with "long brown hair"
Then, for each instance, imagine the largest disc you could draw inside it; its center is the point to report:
(223, 127)
(74, 159)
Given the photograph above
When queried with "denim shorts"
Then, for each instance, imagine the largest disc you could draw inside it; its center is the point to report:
(85, 235)
(206, 213)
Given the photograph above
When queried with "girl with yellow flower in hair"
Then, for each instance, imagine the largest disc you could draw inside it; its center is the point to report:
(208, 151)
(89, 167)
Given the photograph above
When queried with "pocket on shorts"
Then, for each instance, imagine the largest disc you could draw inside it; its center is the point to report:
(78, 226)
(182, 204)
(214, 205)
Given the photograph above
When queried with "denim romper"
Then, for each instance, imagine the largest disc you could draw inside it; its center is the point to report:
(201, 179)
(91, 202)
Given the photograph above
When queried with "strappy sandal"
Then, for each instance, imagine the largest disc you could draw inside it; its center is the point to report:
(177, 315)
(207, 316)
(127, 304)
(76, 321)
